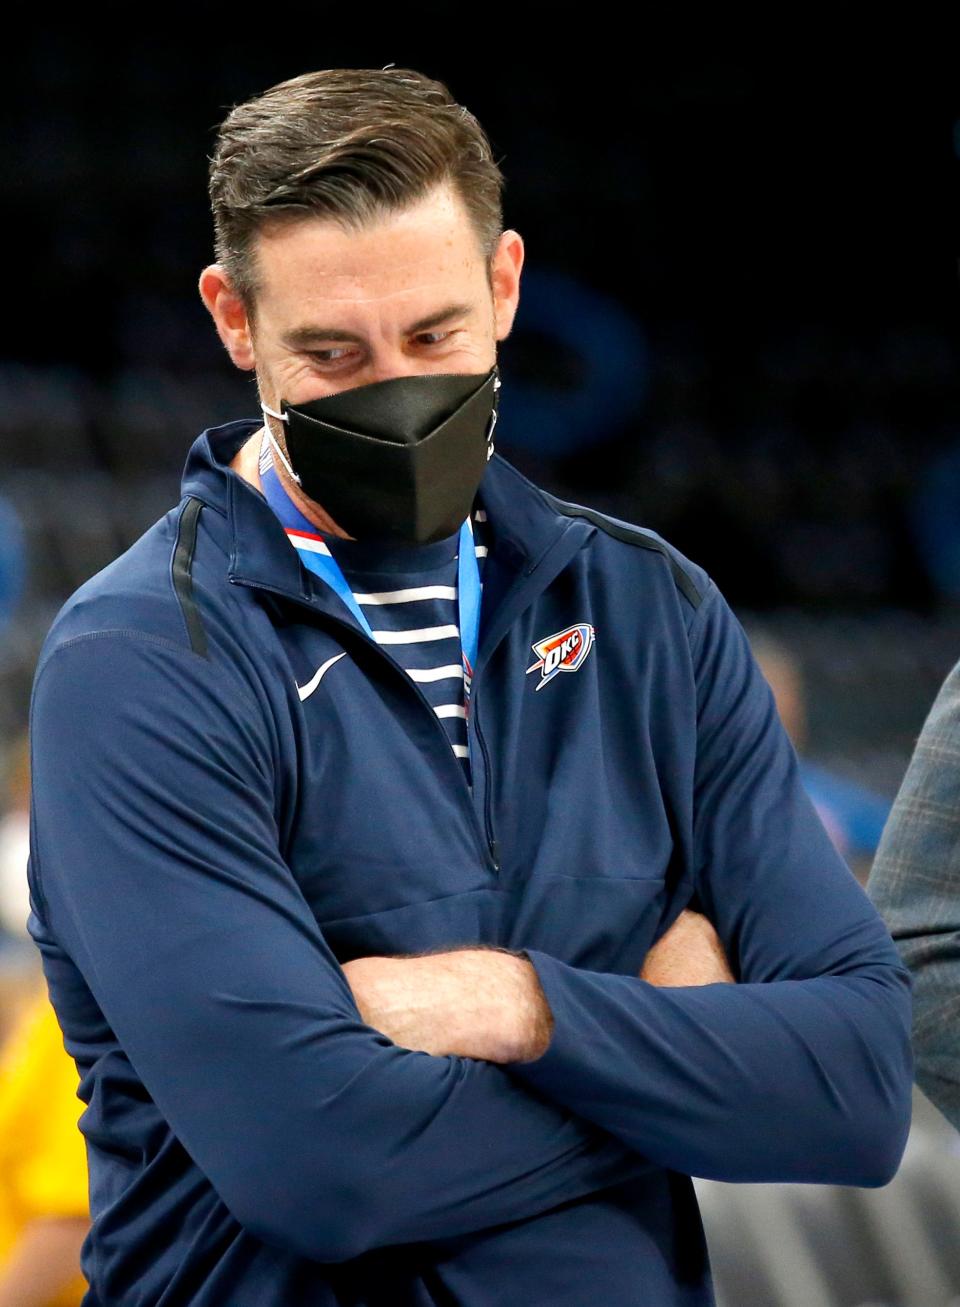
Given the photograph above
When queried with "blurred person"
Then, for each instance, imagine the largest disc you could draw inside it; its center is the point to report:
(20, 971)
(838, 1238)
(44, 1204)
(15, 840)
(13, 565)
(852, 814)
(424, 882)
(19, 963)
(915, 884)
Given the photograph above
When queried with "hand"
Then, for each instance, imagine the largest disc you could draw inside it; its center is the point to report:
(480, 1003)
(690, 953)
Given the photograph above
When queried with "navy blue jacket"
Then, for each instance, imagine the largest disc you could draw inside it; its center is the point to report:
(214, 831)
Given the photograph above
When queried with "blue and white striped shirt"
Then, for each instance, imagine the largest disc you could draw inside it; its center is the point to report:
(408, 594)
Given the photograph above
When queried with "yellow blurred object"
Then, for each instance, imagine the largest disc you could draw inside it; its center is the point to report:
(43, 1160)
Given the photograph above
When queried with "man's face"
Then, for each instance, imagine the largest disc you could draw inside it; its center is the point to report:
(409, 295)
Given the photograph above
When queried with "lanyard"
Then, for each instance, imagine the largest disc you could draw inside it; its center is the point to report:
(315, 555)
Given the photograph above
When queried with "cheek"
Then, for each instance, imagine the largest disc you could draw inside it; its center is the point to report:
(468, 355)
(476, 351)
(296, 377)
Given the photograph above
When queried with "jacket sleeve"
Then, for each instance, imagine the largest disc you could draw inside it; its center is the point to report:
(801, 1071)
(915, 884)
(155, 863)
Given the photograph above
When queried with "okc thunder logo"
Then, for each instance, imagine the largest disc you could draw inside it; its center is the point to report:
(563, 652)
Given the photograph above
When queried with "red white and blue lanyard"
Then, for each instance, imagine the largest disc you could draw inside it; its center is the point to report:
(304, 537)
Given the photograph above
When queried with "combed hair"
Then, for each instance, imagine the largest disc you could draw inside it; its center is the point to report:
(347, 144)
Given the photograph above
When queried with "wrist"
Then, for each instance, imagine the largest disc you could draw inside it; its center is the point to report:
(531, 1028)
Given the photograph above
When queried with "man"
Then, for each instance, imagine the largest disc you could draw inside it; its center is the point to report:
(915, 883)
(343, 874)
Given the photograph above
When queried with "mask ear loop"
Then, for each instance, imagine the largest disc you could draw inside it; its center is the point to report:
(493, 419)
(281, 417)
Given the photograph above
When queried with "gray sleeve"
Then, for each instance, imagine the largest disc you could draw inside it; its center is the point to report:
(915, 884)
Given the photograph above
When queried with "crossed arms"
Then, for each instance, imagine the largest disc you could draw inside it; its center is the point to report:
(155, 867)
(489, 1004)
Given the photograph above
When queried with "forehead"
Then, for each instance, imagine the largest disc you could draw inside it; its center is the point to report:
(430, 246)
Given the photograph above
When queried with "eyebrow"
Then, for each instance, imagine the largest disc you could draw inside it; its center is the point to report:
(299, 337)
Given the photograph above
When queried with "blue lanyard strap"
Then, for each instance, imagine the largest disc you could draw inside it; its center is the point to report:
(468, 601)
(314, 554)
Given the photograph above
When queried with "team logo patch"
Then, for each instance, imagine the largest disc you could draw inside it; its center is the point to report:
(563, 652)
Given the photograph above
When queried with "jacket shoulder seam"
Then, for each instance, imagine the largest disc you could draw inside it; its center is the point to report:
(118, 632)
(633, 535)
(107, 633)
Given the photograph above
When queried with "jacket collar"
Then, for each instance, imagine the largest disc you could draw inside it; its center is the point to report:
(523, 526)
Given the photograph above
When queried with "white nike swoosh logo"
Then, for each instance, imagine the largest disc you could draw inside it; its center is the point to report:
(305, 691)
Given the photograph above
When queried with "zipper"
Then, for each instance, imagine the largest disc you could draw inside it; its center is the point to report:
(482, 831)
(492, 845)
(483, 657)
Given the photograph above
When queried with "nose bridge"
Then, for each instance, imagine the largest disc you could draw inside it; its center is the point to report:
(388, 361)
(387, 358)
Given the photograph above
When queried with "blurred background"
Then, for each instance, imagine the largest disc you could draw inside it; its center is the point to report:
(739, 326)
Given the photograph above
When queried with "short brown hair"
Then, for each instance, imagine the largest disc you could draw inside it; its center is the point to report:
(351, 144)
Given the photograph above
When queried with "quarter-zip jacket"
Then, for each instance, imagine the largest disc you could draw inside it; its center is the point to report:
(209, 844)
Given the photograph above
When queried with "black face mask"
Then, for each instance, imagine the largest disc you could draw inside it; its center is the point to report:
(397, 460)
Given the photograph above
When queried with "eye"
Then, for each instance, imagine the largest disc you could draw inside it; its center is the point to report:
(329, 355)
(433, 337)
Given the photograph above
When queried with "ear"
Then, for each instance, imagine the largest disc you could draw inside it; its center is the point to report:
(505, 281)
(229, 314)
